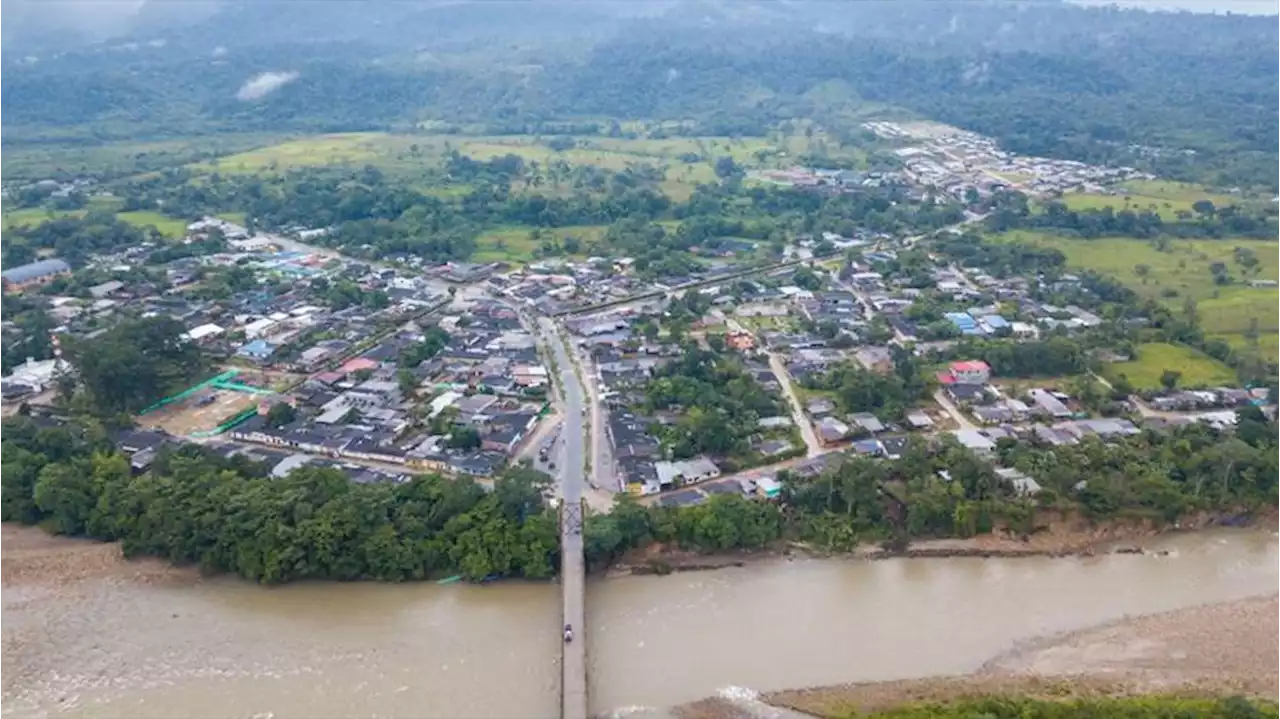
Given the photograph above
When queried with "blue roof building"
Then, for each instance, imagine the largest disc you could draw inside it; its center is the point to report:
(963, 322)
(256, 350)
(995, 322)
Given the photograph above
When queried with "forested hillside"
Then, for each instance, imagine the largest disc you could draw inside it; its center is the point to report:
(1189, 96)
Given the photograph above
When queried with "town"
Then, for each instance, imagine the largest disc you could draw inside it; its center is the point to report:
(826, 362)
(699, 384)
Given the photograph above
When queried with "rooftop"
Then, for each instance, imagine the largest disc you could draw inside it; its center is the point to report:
(35, 270)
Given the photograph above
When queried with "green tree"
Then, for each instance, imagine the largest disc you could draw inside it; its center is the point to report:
(281, 414)
(462, 437)
(66, 493)
(134, 364)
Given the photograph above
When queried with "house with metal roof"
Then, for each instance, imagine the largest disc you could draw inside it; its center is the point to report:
(34, 274)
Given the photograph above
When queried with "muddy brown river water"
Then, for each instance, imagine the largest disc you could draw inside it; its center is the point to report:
(108, 648)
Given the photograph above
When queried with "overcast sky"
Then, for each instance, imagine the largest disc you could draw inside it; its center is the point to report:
(100, 19)
(1248, 7)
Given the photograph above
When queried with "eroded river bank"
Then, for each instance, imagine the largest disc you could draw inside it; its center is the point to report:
(96, 636)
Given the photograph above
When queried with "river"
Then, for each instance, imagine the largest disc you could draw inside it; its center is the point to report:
(221, 648)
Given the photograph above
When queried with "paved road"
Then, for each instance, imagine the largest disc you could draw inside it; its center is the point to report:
(573, 687)
(940, 396)
(797, 411)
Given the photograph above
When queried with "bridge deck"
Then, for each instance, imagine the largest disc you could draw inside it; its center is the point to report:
(573, 687)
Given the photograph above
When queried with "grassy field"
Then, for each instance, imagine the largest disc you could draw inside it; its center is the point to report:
(1182, 272)
(514, 244)
(41, 161)
(169, 227)
(1164, 198)
(350, 148)
(34, 216)
(1153, 359)
(422, 153)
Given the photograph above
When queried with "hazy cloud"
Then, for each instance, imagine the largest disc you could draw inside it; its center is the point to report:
(264, 84)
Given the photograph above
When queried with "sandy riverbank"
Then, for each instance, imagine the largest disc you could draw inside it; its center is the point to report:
(32, 556)
(1218, 649)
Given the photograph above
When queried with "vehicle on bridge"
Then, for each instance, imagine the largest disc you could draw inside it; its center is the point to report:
(568, 633)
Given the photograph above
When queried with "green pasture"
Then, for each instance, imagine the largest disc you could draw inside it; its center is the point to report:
(1162, 197)
(1198, 369)
(1181, 271)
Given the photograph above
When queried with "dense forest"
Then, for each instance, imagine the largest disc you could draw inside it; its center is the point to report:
(224, 515)
(1189, 96)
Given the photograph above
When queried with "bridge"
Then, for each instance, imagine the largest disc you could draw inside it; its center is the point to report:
(573, 662)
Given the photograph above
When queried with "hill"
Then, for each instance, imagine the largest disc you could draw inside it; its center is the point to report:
(1189, 96)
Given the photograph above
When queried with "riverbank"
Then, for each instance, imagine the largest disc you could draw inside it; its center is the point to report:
(1212, 650)
(32, 556)
(1057, 535)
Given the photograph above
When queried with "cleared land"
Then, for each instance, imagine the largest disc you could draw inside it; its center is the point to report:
(686, 161)
(1154, 358)
(1181, 272)
(34, 216)
(169, 227)
(189, 415)
(340, 149)
(41, 161)
(1162, 197)
(517, 245)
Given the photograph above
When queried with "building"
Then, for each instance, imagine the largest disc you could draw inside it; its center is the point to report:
(671, 474)
(34, 274)
(875, 359)
(1022, 484)
(204, 332)
(257, 350)
(970, 372)
(31, 377)
(831, 430)
(106, 289)
(1049, 404)
(919, 420)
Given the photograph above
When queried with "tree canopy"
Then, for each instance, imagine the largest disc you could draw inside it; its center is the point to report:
(133, 364)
